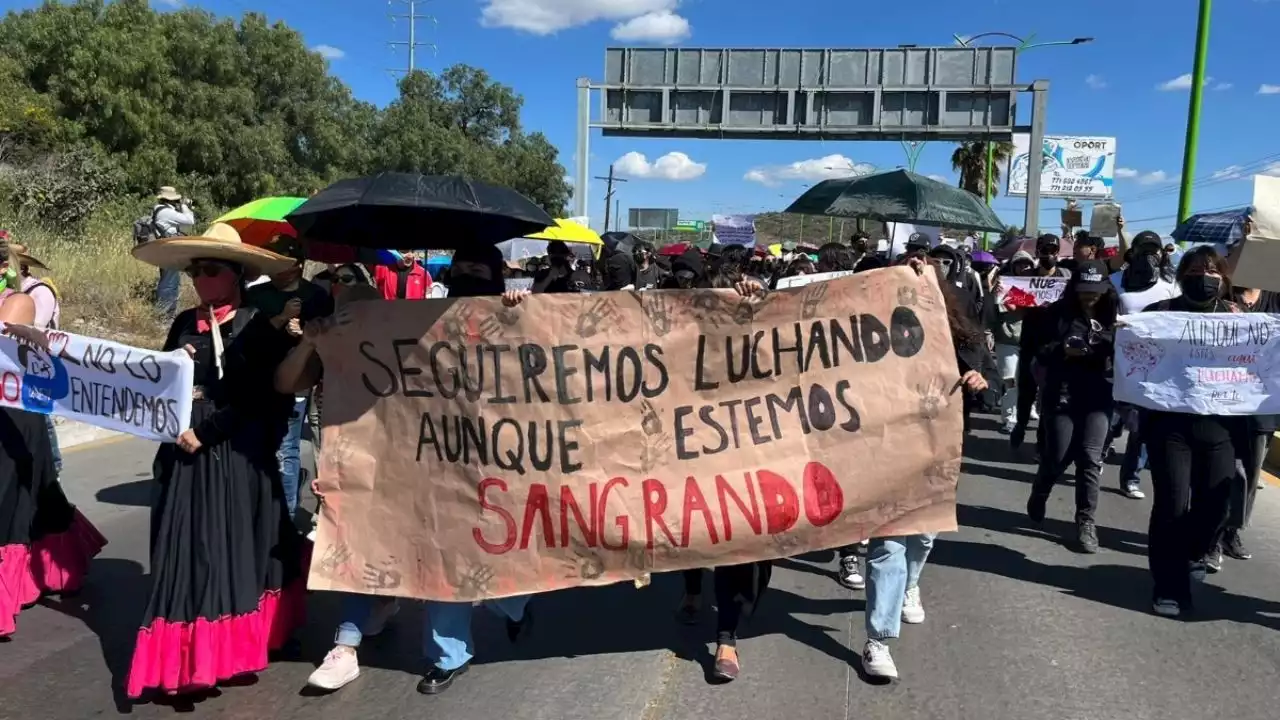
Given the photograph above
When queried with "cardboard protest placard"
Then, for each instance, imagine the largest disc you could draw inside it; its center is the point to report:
(140, 392)
(1020, 292)
(473, 450)
(796, 281)
(1258, 261)
(1199, 363)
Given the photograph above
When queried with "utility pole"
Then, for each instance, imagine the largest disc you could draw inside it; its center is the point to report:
(412, 44)
(608, 196)
(1193, 111)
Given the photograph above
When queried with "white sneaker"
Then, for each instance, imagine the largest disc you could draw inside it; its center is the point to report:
(1133, 493)
(877, 662)
(912, 608)
(339, 668)
(1035, 413)
(382, 613)
(849, 575)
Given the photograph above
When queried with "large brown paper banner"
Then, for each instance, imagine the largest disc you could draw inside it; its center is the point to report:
(475, 451)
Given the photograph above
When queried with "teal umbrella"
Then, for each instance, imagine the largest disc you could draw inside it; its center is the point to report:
(898, 196)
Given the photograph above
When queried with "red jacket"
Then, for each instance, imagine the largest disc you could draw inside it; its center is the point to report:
(417, 283)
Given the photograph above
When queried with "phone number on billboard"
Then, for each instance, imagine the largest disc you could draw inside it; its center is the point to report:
(1068, 185)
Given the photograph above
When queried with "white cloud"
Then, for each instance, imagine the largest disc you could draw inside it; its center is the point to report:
(1230, 172)
(823, 168)
(1223, 86)
(673, 166)
(544, 17)
(1155, 177)
(1182, 82)
(1269, 89)
(1097, 82)
(939, 178)
(664, 27)
(169, 3)
(329, 52)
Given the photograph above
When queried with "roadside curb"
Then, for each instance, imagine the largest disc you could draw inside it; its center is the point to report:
(72, 433)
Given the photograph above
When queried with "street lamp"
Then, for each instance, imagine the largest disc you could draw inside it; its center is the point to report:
(1023, 45)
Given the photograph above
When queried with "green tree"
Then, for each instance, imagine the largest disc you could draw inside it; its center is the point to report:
(232, 111)
(970, 161)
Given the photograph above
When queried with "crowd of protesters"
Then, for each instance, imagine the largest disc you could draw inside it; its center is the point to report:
(227, 557)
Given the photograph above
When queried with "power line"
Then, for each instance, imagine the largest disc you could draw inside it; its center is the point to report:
(1238, 171)
(412, 44)
(608, 196)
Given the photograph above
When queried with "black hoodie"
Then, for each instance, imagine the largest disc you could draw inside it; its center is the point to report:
(962, 277)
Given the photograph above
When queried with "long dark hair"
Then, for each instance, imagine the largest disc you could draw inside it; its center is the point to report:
(964, 331)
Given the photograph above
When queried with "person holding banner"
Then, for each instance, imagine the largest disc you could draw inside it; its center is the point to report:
(1047, 248)
(226, 560)
(894, 564)
(45, 543)
(1076, 406)
(1193, 457)
(446, 640)
(1005, 321)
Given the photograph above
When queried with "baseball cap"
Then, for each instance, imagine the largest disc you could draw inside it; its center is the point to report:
(1092, 277)
(1149, 239)
(919, 241)
(1046, 241)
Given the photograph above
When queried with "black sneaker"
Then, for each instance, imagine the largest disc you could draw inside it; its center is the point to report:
(437, 680)
(1233, 547)
(849, 574)
(1036, 507)
(1087, 534)
(1213, 562)
(518, 629)
(1017, 435)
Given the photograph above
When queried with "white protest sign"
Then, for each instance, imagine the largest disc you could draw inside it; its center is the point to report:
(735, 229)
(141, 392)
(1199, 363)
(519, 283)
(802, 280)
(1020, 292)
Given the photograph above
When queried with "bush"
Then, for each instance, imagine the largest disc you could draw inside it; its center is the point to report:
(104, 291)
(63, 189)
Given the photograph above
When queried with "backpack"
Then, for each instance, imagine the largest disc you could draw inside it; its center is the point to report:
(144, 228)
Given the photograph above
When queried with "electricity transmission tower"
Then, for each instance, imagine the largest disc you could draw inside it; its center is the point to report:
(412, 43)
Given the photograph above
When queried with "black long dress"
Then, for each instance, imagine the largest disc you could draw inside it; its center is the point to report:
(45, 543)
(226, 562)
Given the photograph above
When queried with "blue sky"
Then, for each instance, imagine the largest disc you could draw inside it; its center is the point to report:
(1112, 87)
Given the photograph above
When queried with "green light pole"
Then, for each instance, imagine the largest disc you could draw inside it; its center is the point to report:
(1023, 45)
(1193, 111)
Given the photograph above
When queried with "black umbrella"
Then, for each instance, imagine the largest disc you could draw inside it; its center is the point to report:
(898, 196)
(410, 211)
(619, 241)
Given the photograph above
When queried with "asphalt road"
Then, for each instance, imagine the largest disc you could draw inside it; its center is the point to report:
(1019, 626)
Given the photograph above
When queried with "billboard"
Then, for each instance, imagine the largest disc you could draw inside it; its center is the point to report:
(1070, 166)
(915, 93)
(653, 218)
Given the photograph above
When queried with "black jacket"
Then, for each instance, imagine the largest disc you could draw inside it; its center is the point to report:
(1073, 382)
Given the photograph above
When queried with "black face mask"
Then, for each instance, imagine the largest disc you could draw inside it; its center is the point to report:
(1048, 261)
(1201, 289)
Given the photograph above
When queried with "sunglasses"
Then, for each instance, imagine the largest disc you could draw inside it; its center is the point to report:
(345, 279)
(205, 269)
(1047, 250)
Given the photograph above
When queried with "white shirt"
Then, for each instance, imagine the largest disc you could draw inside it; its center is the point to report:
(1133, 301)
(172, 221)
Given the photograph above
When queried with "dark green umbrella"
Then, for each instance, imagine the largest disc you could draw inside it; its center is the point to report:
(898, 196)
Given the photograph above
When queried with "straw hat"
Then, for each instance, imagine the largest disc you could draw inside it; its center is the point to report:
(169, 193)
(219, 242)
(24, 257)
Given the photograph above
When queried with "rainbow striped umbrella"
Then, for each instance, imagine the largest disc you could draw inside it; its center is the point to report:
(261, 221)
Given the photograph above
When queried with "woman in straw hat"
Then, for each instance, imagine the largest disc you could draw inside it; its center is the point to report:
(226, 582)
(45, 543)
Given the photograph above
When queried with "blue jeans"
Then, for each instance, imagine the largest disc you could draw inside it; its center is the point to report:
(167, 291)
(53, 441)
(289, 455)
(893, 566)
(446, 635)
(1135, 461)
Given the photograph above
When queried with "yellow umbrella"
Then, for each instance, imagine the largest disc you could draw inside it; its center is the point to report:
(570, 232)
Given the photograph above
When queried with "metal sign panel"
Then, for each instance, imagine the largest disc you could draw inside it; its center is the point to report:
(1070, 167)
(937, 93)
(653, 218)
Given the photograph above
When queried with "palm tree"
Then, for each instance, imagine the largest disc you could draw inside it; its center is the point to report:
(970, 160)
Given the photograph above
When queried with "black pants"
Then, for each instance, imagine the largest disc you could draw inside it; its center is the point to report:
(1073, 437)
(1193, 465)
(1252, 453)
(738, 592)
